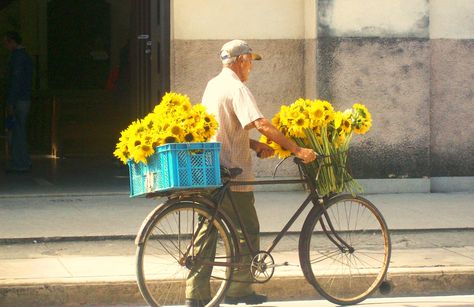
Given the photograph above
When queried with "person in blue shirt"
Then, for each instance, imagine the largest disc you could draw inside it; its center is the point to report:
(18, 101)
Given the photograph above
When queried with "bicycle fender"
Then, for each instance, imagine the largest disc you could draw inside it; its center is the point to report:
(146, 222)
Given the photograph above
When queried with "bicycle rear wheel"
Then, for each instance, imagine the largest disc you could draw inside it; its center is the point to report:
(170, 253)
(345, 275)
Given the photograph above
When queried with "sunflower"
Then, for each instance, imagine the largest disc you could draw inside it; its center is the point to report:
(151, 121)
(281, 152)
(362, 128)
(122, 153)
(176, 130)
(191, 136)
(316, 114)
(137, 127)
(185, 106)
(340, 139)
(346, 121)
(174, 100)
(346, 125)
(135, 140)
(299, 125)
(337, 120)
(328, 116)
(361, 109)
(326, 105)
(169, 139)
(140, 153)
(265, 140)
(276, 121)
(200, 109)
(290, 116)
(144, 151)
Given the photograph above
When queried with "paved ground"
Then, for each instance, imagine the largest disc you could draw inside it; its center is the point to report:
(67, 230)
(440, 301)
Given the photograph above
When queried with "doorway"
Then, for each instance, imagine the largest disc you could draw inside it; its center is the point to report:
(99, 64)
(150, 53)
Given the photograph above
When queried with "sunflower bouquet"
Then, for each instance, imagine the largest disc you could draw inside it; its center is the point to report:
(315, 124)
(174, 120)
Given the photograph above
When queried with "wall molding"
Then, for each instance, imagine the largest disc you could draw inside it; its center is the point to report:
(391, 186)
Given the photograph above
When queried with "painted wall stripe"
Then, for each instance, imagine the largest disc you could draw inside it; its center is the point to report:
(453, 19)
(373, 18)
(247, 19)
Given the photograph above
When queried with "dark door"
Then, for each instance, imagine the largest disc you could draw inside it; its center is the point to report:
(78, 44)
(150, 53)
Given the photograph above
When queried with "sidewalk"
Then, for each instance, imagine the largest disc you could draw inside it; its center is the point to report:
(64, 202)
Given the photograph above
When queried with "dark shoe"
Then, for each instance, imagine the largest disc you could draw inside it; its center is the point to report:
(196, 303)
(251, 299)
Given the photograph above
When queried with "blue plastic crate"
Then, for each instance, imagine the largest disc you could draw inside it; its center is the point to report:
(177, 166)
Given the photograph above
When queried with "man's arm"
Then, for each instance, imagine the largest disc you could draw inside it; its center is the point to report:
(262, 150)
(266, 128)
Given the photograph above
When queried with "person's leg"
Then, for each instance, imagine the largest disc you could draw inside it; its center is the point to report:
(244, 202)
(20, 158)
(197, 283)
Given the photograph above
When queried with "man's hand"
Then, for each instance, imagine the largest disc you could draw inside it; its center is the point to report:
(262, 150)
(306, 154)
(266, 128)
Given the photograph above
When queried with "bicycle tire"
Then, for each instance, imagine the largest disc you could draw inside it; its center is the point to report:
(341, 276)
(161, 268)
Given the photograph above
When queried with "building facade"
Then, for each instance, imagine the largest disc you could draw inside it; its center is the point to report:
(409, 61)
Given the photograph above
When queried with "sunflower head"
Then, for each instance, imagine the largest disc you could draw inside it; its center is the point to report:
(337, 119)
(300, 123)
(190, 137)
(281, 152)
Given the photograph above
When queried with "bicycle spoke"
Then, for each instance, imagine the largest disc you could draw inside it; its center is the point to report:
(168, 251)
(347, 275)
(166, 260)
(325, 256)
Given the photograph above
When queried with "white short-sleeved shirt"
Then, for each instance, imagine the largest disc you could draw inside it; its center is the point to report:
(234, 107)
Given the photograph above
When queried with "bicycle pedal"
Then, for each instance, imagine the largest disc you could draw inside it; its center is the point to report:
(286, 263)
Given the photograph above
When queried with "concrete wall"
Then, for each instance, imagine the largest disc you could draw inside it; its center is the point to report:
(279, 30)
(409, 61)
(378, 53)
(452, 88)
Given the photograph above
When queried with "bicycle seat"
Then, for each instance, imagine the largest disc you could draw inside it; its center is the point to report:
(227, 173)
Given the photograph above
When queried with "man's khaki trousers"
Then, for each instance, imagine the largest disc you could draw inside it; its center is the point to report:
(197, 284)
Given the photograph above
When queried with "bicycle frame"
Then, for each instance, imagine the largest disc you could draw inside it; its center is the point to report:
(218, 195)
(312, 197)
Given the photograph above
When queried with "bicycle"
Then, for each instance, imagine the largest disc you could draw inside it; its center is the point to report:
(344, 245)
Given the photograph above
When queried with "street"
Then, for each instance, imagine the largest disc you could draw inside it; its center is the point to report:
(79, 249)
(433, 301)
(418, 301)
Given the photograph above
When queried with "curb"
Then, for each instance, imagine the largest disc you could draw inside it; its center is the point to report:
(131, 237)
(410, 282)
(63, 194)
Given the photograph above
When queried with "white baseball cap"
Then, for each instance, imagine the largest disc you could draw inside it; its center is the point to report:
(234, 48)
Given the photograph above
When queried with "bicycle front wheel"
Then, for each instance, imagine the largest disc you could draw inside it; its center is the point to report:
(181, 240)
(348, 273)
